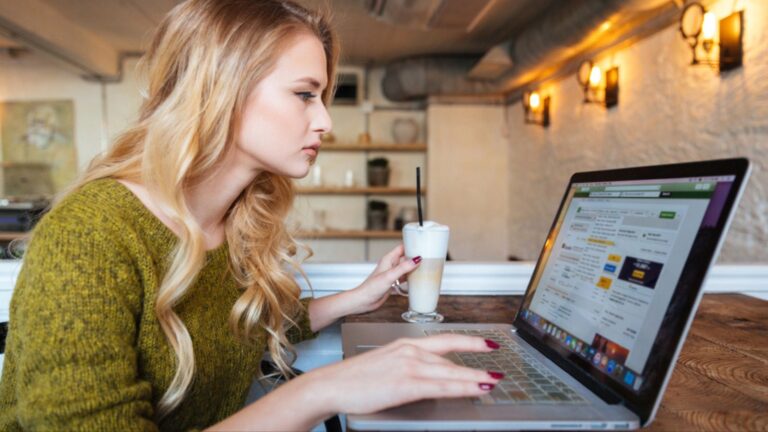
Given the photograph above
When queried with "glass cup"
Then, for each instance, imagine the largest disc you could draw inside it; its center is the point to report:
(430, 242)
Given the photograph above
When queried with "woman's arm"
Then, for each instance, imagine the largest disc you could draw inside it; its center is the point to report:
(299, 404)
(370, 295)
(71, 359)
(404, 371)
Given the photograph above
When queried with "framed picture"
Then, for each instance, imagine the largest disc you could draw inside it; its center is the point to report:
(40, 133)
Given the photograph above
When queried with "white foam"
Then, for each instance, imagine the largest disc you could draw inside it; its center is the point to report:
(428, 241)
(428, 225)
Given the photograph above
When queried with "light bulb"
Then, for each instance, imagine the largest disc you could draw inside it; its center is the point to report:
(595, 76)
(709, 27)
(534, 101)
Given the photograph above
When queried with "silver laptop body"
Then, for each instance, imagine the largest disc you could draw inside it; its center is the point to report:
(647, 237)
(470, 414)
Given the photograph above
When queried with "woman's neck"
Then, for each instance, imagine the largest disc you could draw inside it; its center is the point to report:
(208, 201)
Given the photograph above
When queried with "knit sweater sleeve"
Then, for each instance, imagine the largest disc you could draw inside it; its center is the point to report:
(74, 314)
(303, 329)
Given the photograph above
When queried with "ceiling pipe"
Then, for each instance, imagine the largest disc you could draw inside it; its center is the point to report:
(582, 27)
(417, 78)
(563, 33)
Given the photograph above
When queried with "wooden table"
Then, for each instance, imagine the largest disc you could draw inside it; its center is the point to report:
(720, 381)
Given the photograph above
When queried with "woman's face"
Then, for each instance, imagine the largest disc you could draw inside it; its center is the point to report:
(285, 115)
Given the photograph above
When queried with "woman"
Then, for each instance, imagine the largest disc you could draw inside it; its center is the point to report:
(151, 290)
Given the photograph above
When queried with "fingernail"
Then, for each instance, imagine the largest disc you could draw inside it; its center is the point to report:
(496, 375)
(486, 386)
(492, 344)
(417, 260)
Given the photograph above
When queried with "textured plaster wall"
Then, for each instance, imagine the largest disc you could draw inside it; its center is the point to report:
(668, 112)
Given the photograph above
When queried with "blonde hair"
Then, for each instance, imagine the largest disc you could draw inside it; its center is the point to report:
(204, 60)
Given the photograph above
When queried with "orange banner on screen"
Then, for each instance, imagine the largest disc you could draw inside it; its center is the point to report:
(600, 241)
(604, 282)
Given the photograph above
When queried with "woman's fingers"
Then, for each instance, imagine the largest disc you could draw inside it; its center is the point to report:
(391, 259)
(432, 365)
(445, 343)
(432, 358)
(453, 372)
(436, 389)
(395, 254)
(398, 271)
(408, 370)
(430, 376)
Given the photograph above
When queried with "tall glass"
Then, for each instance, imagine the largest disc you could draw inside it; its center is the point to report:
(430, 242)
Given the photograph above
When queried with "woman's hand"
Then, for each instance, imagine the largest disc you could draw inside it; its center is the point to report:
(375, 290)
(370, 295)
(404, 371)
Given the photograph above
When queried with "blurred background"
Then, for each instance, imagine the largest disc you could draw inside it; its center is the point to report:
(499, 102)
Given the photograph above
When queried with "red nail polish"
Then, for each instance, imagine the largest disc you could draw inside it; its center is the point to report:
(492, 344)
(417, 260)
(486, 386)
(496, 375)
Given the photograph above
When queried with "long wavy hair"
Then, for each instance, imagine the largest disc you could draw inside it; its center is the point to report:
(204, 60)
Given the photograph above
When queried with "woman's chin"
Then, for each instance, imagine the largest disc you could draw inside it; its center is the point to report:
(299, 173)
(295, 171)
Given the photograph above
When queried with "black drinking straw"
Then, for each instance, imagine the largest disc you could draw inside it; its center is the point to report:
(418, 195)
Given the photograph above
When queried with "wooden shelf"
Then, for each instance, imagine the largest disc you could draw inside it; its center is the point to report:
(350, 234)
(11, 235)
(418, 147)
(338, 190)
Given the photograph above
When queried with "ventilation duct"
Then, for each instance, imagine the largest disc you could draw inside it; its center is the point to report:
(418, 78)
(564, 32)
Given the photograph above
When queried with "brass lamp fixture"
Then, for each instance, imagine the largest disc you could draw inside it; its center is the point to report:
(700, 28)
(536, 108)
(598, 87)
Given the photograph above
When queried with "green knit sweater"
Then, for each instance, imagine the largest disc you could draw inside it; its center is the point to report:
(84, 349)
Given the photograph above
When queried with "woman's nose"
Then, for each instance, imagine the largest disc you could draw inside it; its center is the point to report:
(322, 122)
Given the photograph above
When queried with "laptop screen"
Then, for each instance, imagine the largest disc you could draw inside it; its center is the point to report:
(611, 265)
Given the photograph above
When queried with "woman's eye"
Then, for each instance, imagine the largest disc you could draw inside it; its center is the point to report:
(306, 96)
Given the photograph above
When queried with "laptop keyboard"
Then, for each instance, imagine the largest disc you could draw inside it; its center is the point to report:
(526, 381)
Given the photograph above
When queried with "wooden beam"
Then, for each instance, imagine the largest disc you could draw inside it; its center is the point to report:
(37, 25)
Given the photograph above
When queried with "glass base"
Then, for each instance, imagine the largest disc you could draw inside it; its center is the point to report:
(421, 318)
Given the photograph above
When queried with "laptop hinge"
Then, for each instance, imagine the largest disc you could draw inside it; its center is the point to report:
(603, 392)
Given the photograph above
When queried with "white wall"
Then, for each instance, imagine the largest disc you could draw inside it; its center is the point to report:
(101, 110)
(123, 99)
(499, 191)
(468, 170)
(668, 112)
(31, 77)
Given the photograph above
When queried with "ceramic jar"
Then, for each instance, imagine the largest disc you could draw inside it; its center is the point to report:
(405, 130)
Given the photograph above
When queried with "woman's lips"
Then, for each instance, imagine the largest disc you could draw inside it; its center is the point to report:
(312, 150)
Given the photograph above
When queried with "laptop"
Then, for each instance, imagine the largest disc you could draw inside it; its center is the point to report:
(606, 312)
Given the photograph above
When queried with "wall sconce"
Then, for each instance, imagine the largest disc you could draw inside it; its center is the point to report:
(700, 28)
(536, 108)
(599, 88)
